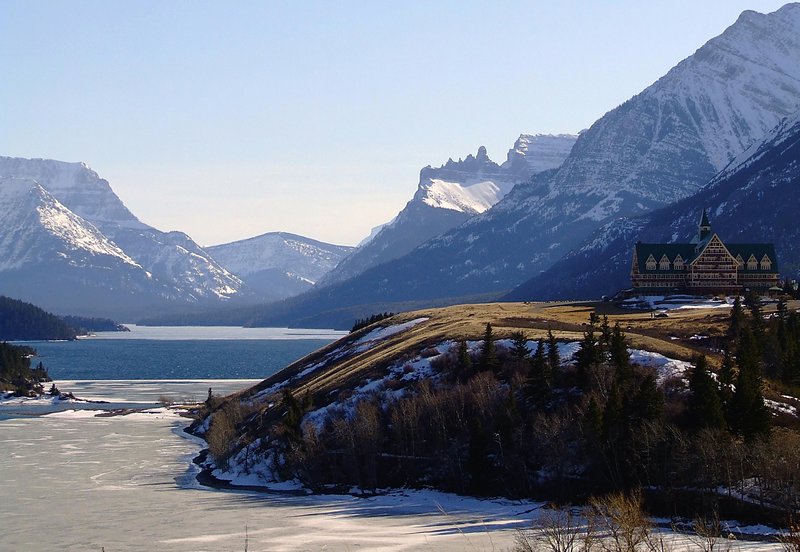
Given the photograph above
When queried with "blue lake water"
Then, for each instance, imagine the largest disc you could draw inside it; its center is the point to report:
(179, 353)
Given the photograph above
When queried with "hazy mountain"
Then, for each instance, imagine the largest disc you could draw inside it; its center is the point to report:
(449, 195)
(171, 257)
(754, 199)
(279, 264)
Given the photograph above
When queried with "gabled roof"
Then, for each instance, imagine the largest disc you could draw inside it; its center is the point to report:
(688, 253)
(657, 250)
(757, 249)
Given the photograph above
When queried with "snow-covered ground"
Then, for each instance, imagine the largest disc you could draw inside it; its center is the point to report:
(672, 302)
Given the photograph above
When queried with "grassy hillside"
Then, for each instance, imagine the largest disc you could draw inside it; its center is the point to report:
(421, 399)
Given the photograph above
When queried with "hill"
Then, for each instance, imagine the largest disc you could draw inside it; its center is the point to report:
(21, 321)
(456, 398)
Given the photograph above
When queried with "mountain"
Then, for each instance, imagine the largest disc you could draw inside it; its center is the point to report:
(185, 273)
(53, 257)
(662, 145)
(449, 195)
(172, 257)
(23, 321)
(754, 199)
(278, 264)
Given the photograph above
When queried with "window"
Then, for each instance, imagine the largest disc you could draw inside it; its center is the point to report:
(651, 263)
(766, 264)
(678, 264)
(752, 263)
(664, 263)
(739, 260)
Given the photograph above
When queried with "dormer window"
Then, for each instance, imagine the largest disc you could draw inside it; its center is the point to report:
(651, 263)
(766, 264)
(664, 263)
(752, 263)
(739, 260)
(678, 264)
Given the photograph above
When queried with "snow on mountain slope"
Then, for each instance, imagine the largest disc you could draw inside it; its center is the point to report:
(279, 264)
(535, 153)
(754, 199)
(172, 257)
(449, 195)
(54, 258)
(30, 216)
(75, 185)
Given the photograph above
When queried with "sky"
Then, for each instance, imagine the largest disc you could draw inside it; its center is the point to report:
(226, 120)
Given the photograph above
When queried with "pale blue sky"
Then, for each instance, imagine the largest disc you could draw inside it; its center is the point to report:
(230, 119)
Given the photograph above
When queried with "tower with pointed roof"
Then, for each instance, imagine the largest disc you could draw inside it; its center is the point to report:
(706, 265)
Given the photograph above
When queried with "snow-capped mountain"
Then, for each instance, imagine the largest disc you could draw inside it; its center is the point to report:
(535, 153)
(754, 199)
(173, 258)
(279, 264)
(52, 256)
(449, 195)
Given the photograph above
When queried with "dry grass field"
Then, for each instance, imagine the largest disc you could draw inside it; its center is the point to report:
(344, 364)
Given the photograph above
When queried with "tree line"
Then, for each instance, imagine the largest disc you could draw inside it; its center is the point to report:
(16, 373)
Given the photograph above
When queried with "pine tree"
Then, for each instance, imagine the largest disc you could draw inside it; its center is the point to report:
(519, 346)
(737, 320)
(619, 356)
(589, 353)
(648, 404)
(705, 406)
(488, 360)
(553, 357)
(538, 384)
(748, 415)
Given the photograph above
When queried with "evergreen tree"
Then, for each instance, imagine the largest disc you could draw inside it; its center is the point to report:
(537, 387)
(553, 358)
(648, 404)
(488, 360)
(605, 333)
(589, 353)
(748, 415)
(619, 356)
(705, 406)
(737, 320)
(519, 346)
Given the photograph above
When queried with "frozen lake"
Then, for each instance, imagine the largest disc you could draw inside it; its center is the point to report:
(72, 481)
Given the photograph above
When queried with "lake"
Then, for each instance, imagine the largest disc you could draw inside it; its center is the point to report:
(170, 353)
(75, 481)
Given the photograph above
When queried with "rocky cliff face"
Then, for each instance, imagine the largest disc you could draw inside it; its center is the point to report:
(449, 195)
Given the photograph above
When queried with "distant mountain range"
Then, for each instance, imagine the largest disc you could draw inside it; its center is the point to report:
(278, 264)
(69, 244)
